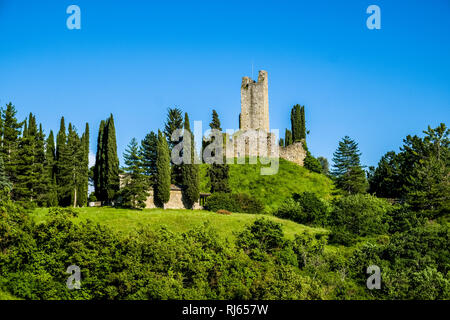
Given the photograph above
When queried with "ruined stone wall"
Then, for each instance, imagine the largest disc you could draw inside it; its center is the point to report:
(175, 201)
(255, 103)
(294, 153)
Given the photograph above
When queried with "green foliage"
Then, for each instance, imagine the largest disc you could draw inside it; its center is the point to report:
(73, 169)
(383, 181)
(218, 173)
(10, 135)
(419, 174)
(174, 122)
(287, 138)
(315, 209)
(304, 208)
(312, 163)
(263, 236)
(4, 181)
(272, 190)
(292, 210)
(339, 235)
(298, 123)
(106, 170)
(148, 154)
(189, 170)
(135, 190)
(215, 122)
(347, 170)
(239, 202)
(325, 165)
(162, 185)
(360, 214)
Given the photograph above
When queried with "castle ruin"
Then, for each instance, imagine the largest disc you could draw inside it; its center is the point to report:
(255, 103)
(254, 129)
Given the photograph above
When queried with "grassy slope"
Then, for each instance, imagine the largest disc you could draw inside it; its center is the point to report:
(7, 296)
(273, 189)
(176, 220)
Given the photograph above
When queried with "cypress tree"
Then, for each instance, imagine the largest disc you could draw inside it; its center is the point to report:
(134, 193)
(99, 167)
(61, 141)
(83, 190)
(50, 169)
(347, 169)
(218, 173)
(162, 185)
(281, 142)
(112, 180)
(288, 137)
(215, 123)
(298, 123)
(302, 123)
(190, 170)
(148, 154)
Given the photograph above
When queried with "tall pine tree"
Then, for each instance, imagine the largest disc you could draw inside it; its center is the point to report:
(347, 169)
(4, 181)
(11, 130)
(135, 191)
(148, 154)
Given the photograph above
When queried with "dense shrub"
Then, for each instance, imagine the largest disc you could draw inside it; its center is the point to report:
(292, 210)
(224, 201)
(402, 218)
(341, 236)
(360, 214)
(304, 208)
(239, 202)
(315, 210)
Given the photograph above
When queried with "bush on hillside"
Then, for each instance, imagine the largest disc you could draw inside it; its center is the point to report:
(315, 210)
(304, 208)
(341, 236)
(239, 202)
(360, 214)
(291, 210)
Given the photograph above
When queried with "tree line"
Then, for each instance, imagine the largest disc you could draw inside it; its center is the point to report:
(149, 165)
(36, 170)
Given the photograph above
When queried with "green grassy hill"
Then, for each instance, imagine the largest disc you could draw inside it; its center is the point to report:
(7, 296)
(127, 220)
(272, 190)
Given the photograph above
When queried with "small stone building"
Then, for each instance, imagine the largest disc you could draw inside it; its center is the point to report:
(176, 199)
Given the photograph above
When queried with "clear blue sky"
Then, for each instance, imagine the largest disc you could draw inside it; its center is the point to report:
(136, 59)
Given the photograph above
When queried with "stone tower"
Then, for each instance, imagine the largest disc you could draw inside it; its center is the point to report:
(255, 103)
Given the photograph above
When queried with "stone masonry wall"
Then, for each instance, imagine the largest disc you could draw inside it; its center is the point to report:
(294, 153)
(255, 103)
(175, 201)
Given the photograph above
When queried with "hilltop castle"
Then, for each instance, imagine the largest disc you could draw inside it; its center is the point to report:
(254, 119)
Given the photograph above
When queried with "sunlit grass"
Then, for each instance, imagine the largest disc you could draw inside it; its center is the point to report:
(126, 220)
